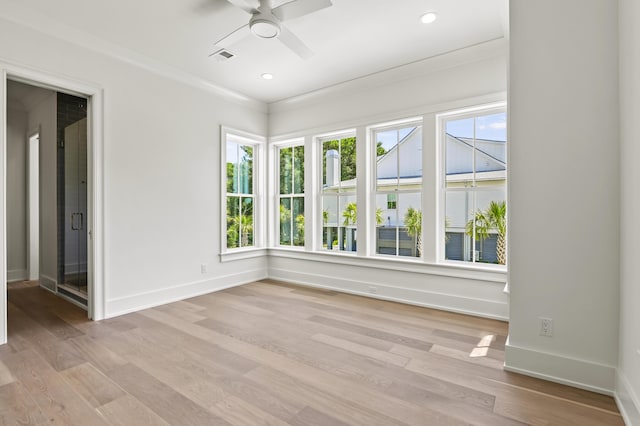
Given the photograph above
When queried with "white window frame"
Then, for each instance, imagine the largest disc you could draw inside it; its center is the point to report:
(318, 140)
(372, 184)
(259, 187)
(275, 160)
(432, 261)
(441, 119)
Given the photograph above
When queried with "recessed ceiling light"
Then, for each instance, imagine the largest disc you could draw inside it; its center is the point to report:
(429, 17)
(267, 76)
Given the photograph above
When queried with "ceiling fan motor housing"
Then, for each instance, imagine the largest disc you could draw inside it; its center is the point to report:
(264, 25)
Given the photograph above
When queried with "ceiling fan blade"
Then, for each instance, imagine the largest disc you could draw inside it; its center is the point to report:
(249, 6)
(290, 40)
(297, 8)
(233, 37)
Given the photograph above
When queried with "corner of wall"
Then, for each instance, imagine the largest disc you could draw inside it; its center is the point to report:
(627, 401)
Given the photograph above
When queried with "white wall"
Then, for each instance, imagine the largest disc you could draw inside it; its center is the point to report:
(43, 117)
(412, 88)
(16, 195)
(563, 216)
(628, 383)
(161, 171)
(460, 78)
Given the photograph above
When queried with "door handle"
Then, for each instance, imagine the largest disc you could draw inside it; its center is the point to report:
(77, 225)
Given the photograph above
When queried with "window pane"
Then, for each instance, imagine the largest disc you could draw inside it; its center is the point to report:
(331, 165)
(410, 157)
(387, 226)
(475, 208)
(286, 169)
(232, 168)
(492, 127)
(285, 221)
(400, 231)
(233, 231)
(459, 146)
(339, 165)
(246, 222)
(246, 169)
(339, 222)
(482, 239)
(298, 170)
(410, 233)
(387, 160)
(298, 221)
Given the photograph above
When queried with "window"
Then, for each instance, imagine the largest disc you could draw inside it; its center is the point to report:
(291, 195)
(339, 209)
(398, 191)
(240, 154)
(475, 147)
(427, 189)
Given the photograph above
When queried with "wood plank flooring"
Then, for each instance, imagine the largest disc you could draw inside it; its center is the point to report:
(271, 353)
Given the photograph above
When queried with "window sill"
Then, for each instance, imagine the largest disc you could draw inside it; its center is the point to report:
(241, 254)
(488, 273)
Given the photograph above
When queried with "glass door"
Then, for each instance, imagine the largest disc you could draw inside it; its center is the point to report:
(74, 264)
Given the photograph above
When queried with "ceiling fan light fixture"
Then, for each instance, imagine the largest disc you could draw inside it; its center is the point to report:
(264, 26)
(429, 17)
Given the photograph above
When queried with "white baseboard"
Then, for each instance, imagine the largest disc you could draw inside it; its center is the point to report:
(48, 283)
(569, 371)
(627, 400)
(418, 297)
(140, 301)
(14, 275)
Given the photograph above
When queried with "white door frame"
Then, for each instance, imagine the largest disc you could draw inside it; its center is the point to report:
(95, 170)
(33, 205)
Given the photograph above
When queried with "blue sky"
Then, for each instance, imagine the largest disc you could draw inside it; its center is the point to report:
(492, 127)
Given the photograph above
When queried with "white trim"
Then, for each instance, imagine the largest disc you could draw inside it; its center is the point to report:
(95, 206)
(469, 111)
(83, 39)
(258, 191)
(137, 302)
(472, 272)
(14, 275)
(242, 253)
(562, 369)
(452, 59)
(428, 299)
(274, 196)
(627, 401)
(33, 205)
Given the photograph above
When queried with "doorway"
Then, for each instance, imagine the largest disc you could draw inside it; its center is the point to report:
(48, 241)
(92, 217)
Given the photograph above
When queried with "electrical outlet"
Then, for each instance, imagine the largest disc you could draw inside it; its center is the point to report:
(546, 327)
(203, 268)
(373, 290)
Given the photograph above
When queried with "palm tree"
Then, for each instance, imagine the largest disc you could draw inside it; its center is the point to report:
(351, 211)
(493, 218)
(379, 218)
(413, 222)
(350, 214)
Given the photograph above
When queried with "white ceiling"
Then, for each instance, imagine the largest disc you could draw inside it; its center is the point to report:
(350, 39)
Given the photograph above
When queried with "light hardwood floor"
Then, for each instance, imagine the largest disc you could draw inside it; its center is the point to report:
(269, 353)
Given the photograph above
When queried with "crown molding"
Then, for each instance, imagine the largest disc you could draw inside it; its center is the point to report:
(458, 57)
(17, 13)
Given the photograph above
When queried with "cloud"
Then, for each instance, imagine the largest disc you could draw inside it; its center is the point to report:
(501, 125)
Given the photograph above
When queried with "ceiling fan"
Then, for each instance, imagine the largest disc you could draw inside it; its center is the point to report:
(266, 22)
